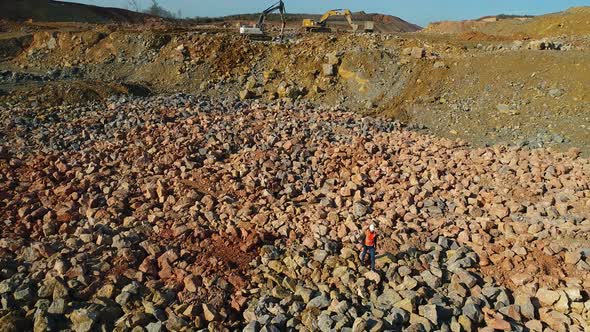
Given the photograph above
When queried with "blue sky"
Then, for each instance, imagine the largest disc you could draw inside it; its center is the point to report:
(420, 12)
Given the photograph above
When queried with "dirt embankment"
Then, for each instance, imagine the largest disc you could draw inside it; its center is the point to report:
(485, 89)
(61, 11)
(574, 21)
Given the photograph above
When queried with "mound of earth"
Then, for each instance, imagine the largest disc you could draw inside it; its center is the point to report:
(387, 23)
(574, 21)
(481, 88)
(58, 11)
(454, 26)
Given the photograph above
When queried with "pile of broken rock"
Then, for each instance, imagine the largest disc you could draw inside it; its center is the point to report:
(181, 213)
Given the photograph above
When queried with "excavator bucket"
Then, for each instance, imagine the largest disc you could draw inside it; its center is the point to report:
(354, 27)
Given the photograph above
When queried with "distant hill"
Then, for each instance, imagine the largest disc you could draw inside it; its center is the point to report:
(383, 23)
(500, 17)
(58, 11)
(387, 23)
(574, 21)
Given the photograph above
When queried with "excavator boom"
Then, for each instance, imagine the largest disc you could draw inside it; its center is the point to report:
(336, 12)
(257, 32)
(280, 6)
(320, 26)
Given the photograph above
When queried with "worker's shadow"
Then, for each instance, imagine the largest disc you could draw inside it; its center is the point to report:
(380, 260)
(391, 257)
(386, 255)
(383, 260)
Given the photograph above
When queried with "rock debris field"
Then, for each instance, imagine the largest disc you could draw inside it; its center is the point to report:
(181, 213)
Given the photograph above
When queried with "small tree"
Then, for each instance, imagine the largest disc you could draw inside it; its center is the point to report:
(134, 5)
(156, 10)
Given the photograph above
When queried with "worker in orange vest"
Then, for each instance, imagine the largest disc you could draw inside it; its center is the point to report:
(369, 244)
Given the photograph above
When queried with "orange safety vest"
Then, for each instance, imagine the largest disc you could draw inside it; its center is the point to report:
(370, 238)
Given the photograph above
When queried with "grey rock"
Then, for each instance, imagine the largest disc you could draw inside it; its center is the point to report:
(325, 322)
(404, 271)
(340, 308)
(83, 319)
(305, 293)
(279, 320)
(466, 278)
(397, 317)
(502, 300)
(473, 312)
(359, 325)
(527, 309)
(58, 307)
(270, 328)
(341, 321)
(41, 322)
(416, 327)
(175, 323)
(431, 280)
(439, 64)
(444, 242)
(120, 242)
(6, 302)
(8, 286)
(387, 299)
(333, 58)
(253, 326)
(320, 302)
(320, 255)
(52, 43)
(42, 304)
(462, 263)
(132, 288)
(430, 312)
(123, 298)
(359, 209)
(60, 267)
(555, 93)
(328, 69)
(154, 327)
(418, 52)
(491, 292)
(23, 295)
(263, 319)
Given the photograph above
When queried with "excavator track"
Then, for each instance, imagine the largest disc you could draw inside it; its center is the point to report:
(320, 30)
(260, 38)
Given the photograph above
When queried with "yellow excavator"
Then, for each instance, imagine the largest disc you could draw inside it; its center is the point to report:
(320, 26)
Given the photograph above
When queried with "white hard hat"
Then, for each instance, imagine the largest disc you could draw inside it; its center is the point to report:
(372, 228)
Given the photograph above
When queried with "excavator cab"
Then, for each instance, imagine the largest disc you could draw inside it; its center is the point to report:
(308, 23)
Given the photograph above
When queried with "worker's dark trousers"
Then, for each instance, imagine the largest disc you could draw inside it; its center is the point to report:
(371, 250)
